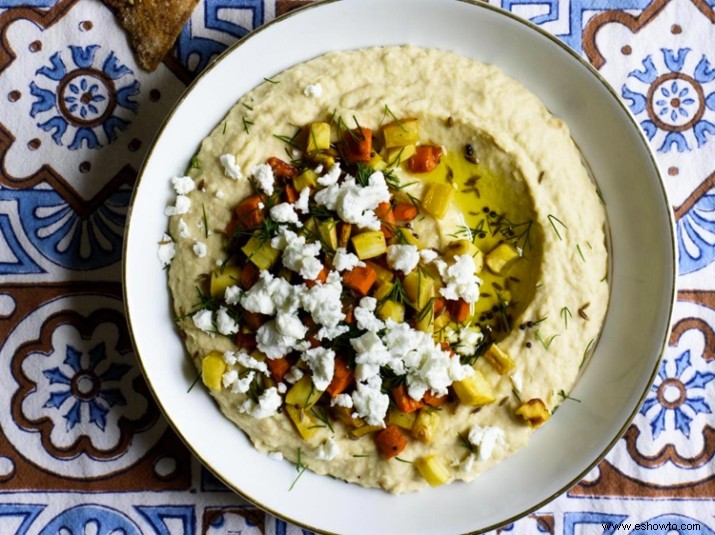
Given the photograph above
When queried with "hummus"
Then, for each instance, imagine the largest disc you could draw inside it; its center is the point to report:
(519, 182)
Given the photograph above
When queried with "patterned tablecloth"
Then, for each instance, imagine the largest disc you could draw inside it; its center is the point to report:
(84, 450)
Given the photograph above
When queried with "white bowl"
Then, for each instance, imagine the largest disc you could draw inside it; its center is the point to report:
(642, 277)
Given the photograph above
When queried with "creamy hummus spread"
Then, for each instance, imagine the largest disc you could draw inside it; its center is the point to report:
(516, 257)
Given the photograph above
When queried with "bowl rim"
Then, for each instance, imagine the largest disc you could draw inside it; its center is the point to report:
(574, 55)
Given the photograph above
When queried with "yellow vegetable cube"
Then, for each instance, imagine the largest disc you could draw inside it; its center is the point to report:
(433, 469)
(474, 390)
(408, 237)
(212, 369)
(364, 430)
(303, 393)
(369, 244)
(437, 199)
(377, 163)
(303, 421)
(383, 274)
(426, 425)
(261, 253)
(405, 420)
(391, 310)
(419, 288)
(462, 247)
(534, 412)
(499, 358)
(329, 233)
(398, 155)
(318, 137)
(223, 278)
(400, 133)
(307, 179)
(501, 258)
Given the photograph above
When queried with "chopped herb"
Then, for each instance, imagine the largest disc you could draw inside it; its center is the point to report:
(553, 218)
(565, 396)
(388, 111)
(322, 415)
(546, 343)
(580, 253)
(585, 353)
(206, 223)
(271, 81)
(362, 456)
(465, 442)
(360, 133)
(195, 163)
(516, 394)
(246, 124)
(541, 176)
(246, 106)
(566, 314)
(290, 140)
(193, 383)
(403, 460)
(300, 468)
(224, 127)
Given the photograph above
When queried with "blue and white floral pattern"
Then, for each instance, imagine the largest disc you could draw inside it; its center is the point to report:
(673, 97)
(696, 235)
(87, 103)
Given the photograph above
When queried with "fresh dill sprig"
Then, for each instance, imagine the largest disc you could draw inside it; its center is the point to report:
(546, 343)
(565, 396)
(580, 253)
(246, 124)
(206, 222)
(566, 314)
(290, 140)
(271, 81)
(193, 383)
(553, 218)
(322, 415)
(300, 468)
(388, 111)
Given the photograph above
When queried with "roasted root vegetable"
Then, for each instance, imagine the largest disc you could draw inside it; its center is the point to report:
(358, 145)
(499, 358)
(390, 441)
(212, 369)
(227, 275)
(501, 258)
(260, 253)
(404, 420)
(303, 393)
(461, 247)
(419, 289)
(426, 425)
(369, 244)
(249, 211)
(433, 469)
(318, 137)
(425, 159)
(304, 422)
(343, 377)
(437, 199)
(278, 368)
(459, 310)
(401, 132)
(403, 401)
(307, 179)
(534, 412)
(404, 211)
(282, 169)
(474, 390)
(360, 279)
(391, 310)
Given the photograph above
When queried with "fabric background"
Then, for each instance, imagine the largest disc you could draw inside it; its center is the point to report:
(84, 450)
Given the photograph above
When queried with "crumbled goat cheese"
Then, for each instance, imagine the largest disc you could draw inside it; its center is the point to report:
(268, 404)
(289, 324)
(371, 354)
(181, 206)
(232, 295)
(517, 380)
(183, 184)
(403, 257)
(230, 168)
(323, 301)
(354, 203)
(428, 255)
(301, 205)
(332, 332)
(199, 249)
(328, 450)
(342, 400)
(268, 294)
(272, 342)
(166, 250)
(285, 213)
(344, 261)
(298, 255)
(203, 320)
(282, 388)
(321, 362)
(485, 438)
(237, 384)
(293, 375)
(369, 401)
(459, 278)
(263, 173)
(183, 228)
(331, 177)
(229, 378)
(220, 194)
(250, 363)
(225, 324)
(313, 91)
(365, 315)
(469, 337)
(467, 464)
(319, 169)
(275, 455)
(449, 335)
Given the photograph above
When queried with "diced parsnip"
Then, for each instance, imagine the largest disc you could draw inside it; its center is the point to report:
(344, 232)
(303, 421)
(383, 289)
(441, 321)
(383, 274)
(325, 159)
(408, 237)
(425, 318)
(364, 430)
(500, 359)
(318, 137)
(474, 390)
(369, 244)
(534, 412)
(400, 133)
(222, 278)
(329, 233)
(303, 393)
(260, 253)
(344, 415)
(501, 258)
(419, 288)
(391, 310)
(437, 199)
(462, 247)
(377, 163)
(426, 425)
(405, 420)
(307, 179)
(433, 469)
(398, 155)
(212, 369)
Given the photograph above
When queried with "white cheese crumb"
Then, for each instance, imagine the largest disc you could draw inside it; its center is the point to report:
(270, 294)
(275, 455)
(268, 404)
(183, 184)
(428, 255)
(182, 204)
(250, 363)
(263, 173)
(237, 384)
(365, 315)
(342, 400)
(183, 228)
(331, 177)
(328, 450)
(293, 375)
(313, 91)
(319, 169)
(220, 194)
(301, 205)
(403, 257)
(344, 261)
(285, 213)
(289, 324)
(459, 278)
(199, 249)
(229, 378)
(369, 402)
(321, 362)
(298, 255)
(371, 354)
(232, 295)
(485, 438)
(517, 380)
(323, 301)
(331, 332)
(354, 203)
(230, 168)
(272, 342)
(282, 388)
(225, 324)
(469, 337)
(166, 250)
(203, 320)
(467, 464)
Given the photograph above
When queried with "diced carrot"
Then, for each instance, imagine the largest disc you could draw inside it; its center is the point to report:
(322, 277)
(439, 305)
(249, 275)
(390, 441)
(282, 169)
(360, 279)
(343, 377)
(384, 213)
(350, 315)
(425, 159)
(246, 341)
(358, 145)
(434, 401)
(248, 212)
(252, 320)
(459, 310)
(278, 368)
(232, 226)
(446, 347)
(403, 401)
(291, 194)
(404, 211)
